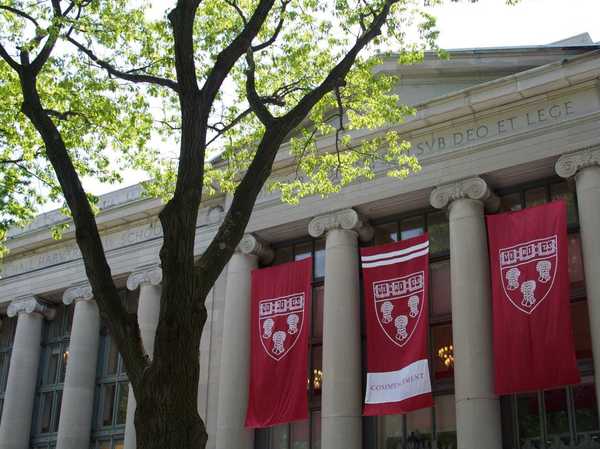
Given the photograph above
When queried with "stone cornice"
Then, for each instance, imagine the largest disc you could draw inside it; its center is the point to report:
(569, 164)
(145, 275)
(78, 292)
(471, 188)
(252, 245)
(347, 219)
(29, 304)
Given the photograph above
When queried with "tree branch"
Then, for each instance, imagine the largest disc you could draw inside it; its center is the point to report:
(9, 60)
(257, 105)
(112, 70)
(234, 224)
(20, 13)
(278, 29)
(235, 6)
(229, 56)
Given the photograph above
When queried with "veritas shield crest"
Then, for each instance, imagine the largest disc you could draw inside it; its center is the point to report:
(528, 271)
(399, 305)
(280, 323)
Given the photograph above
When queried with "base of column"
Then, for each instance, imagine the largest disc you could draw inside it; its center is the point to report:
(341, 432)
(478, 424)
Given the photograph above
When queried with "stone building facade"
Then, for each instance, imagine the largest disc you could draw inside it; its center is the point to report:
(496, 129)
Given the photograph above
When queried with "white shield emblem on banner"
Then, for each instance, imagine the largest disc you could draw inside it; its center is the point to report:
(528, 271)
(399, 305)
(280, 323)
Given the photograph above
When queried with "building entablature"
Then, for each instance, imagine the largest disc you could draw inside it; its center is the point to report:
(509, 130)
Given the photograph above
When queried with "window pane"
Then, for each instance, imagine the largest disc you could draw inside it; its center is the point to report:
(529, 418)
(385, 233)
(563, 190)
(54, 353)
(557, 416)
(576, 274)
(581, 330)
(122, 402)
(317, 312)
(510, 202)
(108, 399)
(56, 411)
(46, 415)
(280, 437)
(586, 408)
(445, 420)
(319, 258)
(300, 435)
(439, 232)
(315, 436)
(391, 431)
(535, 197)
(443, 352)
(283, 255)
(418, 426)
(440, 288)
(303, 250)
(112, 360)
(411, 227)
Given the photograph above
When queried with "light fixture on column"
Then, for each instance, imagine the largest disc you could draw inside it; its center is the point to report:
(446, 354)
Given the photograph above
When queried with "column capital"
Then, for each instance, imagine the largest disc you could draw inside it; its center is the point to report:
(29, 304)
(78, 292)
(255, 246)
(150, 274)
(347, 219)
(569, 164)
(471, 188)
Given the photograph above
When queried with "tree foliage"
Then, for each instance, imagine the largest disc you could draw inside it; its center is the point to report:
(200, 96)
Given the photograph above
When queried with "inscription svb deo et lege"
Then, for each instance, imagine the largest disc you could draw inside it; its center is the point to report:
(499, 128)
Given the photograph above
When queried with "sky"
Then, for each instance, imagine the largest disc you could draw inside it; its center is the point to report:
(487, 23)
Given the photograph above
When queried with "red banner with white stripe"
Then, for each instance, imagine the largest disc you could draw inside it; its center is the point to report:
(533, 338)
(396, 280)
(280, 337)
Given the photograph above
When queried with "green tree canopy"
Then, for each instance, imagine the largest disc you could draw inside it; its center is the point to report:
(90, 87)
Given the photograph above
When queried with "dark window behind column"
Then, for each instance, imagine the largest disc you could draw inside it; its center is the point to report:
(51, 377)
(7, 336)
(304, 434)
(418, 429)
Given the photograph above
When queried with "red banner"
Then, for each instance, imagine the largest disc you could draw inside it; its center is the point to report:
(396, 281)
(280, 337)
(533, 339)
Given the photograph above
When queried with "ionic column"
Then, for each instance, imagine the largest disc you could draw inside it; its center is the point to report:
(148, 279)
(77, 407)
(235, 353)
(585, 167)
(477, 407)
(341, 394)
(22, 374)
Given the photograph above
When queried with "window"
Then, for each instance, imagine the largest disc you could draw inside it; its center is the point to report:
(419, 428)
(566, 415)
(7, 336)
(112, 388)
(51, 377)
(304, 434)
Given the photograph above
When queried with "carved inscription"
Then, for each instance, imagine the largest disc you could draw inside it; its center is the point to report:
(510, 124)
